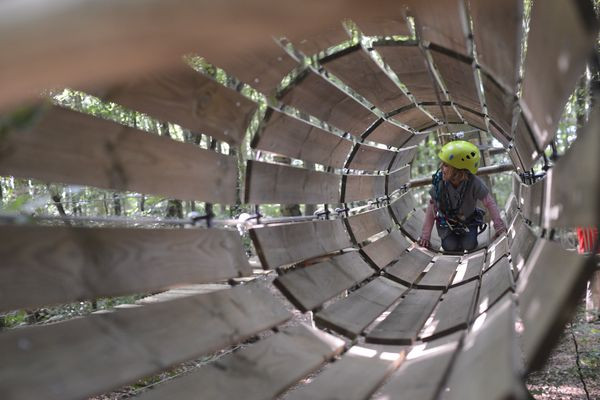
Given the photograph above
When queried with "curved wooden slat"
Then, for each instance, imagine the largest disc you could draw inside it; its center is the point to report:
(363, 187)
(282, 184)
(450, 116)
(313, 42)
(414, 117)
(409, 266)
(283, 244)
(470, 267)
(387, 249)
(294, 138)
(532, 201)
(496, 251)
(392, 23)
(458, 76)
(75, 148)
(495, 282)
(371, 158)
(472, 117)
(402, 206)
(364, 225)
(104, 351)
(398, 178)
(311, 286)
(524, 144)
(500, 105)
(389, 134)
(523, 240)
(414, 225)
(51, 265)
(440, 274)
(404, 156)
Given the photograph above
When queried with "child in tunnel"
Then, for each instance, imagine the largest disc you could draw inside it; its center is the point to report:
(454, 194)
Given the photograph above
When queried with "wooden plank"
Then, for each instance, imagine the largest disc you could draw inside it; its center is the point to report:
(497, 30)
(188, 98)
(500, 104)
(549, 290)
(403, 157)
(440, 273)
(415, 118)
(503, 137)
(404, 322)
(353, 314)
(357, 70)
(410, 65)
(488, 366)
(473, 118)
(498, 249)
(371, 158)
(370, 365)
(392, 23)
(52, 265)
(294, 138)
(470, 267)
(455, 311)
(283, 244)
(495, 282)
(532, 201)
(522, 244)
(516, 160)
(282, 184)
(414, 225)
(409, 266)
(387, 249)
(263, 370)
(402, 206)
(309, 287)
(398, 178)
(364, 225)
(318, 97)
(75, 148)
(416, 139)
(459, 77)
(101, 352)
(524, 144)
(363, 187)
(555, 60)
(449, 117)
(512, 207)
(313, 42)
(389, 134)
(421, 374)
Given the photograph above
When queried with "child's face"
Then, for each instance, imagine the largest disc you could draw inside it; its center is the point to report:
(448, 172)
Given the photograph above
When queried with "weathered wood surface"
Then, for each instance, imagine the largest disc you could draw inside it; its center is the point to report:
(555, 60)
(470, 267)
(389, 134)
(371, 158)
(311, 286)
(497, 30)
(391, 23)
(414, 225)
(363, 187)
(532, 201)
(409, 266)
(357, 70)
(472, 117)
(449, 116)
(313, 42)
(320, 98)
(404, 322)
(402, 206)
(283, 244)
(525, 145)
(364, 225)
(91, 355)
(403, 157)
(512, 207)
(501, 136)
(398, 178)
(499, 104)
(522, 243)
(52, 265)
(386, 249)
(282, 184)
(459, 77)
(440, 273)
(368, 364)
(422, 372)
(515, 159)
(415, 118)
(353, 314)
(286, 135)
(492, 347)
(496, 251)
(263, 370)
(549, 289)
(75, 148)
(495, 282)
(188, 98)
(416, 139)
(455, 311)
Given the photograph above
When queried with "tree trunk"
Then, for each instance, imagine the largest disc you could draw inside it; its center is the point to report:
(142, 203)
(174, 209)
(118, 209)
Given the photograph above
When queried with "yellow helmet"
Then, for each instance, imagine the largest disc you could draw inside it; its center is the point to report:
(461, 155)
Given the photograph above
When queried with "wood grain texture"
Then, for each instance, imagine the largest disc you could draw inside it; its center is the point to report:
(357, 70)
(532, 201)
(522, 243)
(282, 184)
(450, 116)
(548, 290)
(512, 207)
(455, 311)
(409, 266)
(263, 370)
(402, 206)
(494, 284)
(496, 251)
(415, 118)
(525, 145)
(410, 65)
(318, 97)
(500, 105)
(288, 243)
(74, 148)
(371, 158)
(52, 265)
(404, 322)
(497, 30)
(187, 98)
(398, 178)
(294, 138)
(353, 314)
(403, 157)
(391, 24)
(389, 134)
(367, 224)
(363, 187)
(555, 60)
(367, 364)
(94, 354)
(459, 78)
(312, 42)
(311, 286)
(473, 118)
(470, 267)
(492, 347)
(387, 249)
(440, 274)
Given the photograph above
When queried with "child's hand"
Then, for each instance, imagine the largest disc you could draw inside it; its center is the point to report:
(424, 243)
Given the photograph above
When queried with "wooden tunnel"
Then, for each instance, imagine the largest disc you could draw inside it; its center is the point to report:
(392, 320)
